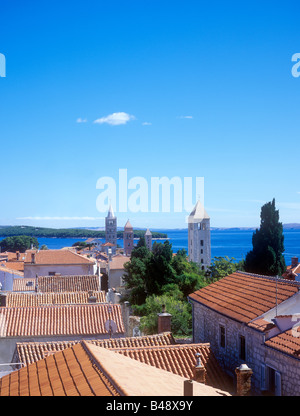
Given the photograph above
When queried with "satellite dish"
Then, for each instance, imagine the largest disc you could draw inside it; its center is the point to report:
(110, 326)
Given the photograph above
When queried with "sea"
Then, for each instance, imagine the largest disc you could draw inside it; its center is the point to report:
(231, 243)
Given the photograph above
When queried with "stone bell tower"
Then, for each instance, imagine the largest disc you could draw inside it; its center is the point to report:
(111, 227)
(199, 246)
(128, 238)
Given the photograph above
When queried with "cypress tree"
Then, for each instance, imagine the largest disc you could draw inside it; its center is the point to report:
(268, 244)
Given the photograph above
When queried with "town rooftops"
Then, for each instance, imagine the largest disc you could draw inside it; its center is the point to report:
(57, 283)
(60, 320)
(29, 352)
(86, 369)
(16, 299)
(49, 257)
(117, 262)
(244, 296)
(159, 351)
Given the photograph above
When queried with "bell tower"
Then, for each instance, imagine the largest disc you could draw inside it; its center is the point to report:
(199, 245)
(111, 227)
(128, 238)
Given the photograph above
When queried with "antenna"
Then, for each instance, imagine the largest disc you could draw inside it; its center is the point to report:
(276, 294)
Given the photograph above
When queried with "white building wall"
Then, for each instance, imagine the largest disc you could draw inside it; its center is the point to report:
(31, 270)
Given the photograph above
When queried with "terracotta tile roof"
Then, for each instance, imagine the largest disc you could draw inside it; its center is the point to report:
(68, 283)
(180, 360)
(118, 261)
(14, 265)
(29, 352)
(86, 369)
(5, 267)
(71, 372)
(287, 342)
(261, 324)
(134, 378)
(244, 296)
(39, 299)
(22, 284)
(59, 320)
(56, 257)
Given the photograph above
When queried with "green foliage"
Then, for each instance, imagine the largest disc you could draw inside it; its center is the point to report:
(223, 266)
(158, 277)
(80, 244)
(44, 247)
(268, 244)
(18, 243)
(181, 323)
(9, 231)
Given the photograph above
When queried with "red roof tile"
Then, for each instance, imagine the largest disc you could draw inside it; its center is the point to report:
(56, 257)
(71, 372)
(244, 296)
(59, 320)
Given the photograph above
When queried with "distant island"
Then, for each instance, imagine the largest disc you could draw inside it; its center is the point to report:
(40, 232)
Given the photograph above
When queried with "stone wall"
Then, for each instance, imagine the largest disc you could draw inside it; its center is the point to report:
(206, 328)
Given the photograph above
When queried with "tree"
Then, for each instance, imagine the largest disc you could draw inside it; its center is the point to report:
(268, 244)
(223, 266)
(19, 243)
(181, 323)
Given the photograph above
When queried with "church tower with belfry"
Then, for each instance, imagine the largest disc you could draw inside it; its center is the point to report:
(111, 227)
(128, 239)
(148, 239)
(199, 245)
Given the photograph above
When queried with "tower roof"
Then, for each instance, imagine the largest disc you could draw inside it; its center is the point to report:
(198, 213)
(128, 225)
(110, 213)
(148, 232)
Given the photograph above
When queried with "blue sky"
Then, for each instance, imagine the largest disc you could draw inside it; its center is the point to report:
(206, 88)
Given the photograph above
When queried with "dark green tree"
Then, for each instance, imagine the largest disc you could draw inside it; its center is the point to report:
(18, 243)
(268, 244)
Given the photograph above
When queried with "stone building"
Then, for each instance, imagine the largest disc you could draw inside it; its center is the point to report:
(128, 239)
(199, 246)
(254, 320)
(111, 227)
(148, 239)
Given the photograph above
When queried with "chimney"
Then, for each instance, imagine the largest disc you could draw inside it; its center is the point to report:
(164, 321)
(32, 257)
(199, 370)
(91, 297)
(295, 262)
(188, 388)
(18, 255)
(243, 374)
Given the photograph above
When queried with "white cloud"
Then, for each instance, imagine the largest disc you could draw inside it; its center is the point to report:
(115, 119)
(146, 123)
(186, 117)
(81, 120)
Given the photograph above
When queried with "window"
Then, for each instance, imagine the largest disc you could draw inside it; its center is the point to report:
(242, 347)
(51, 274)
(270, 381)
(222, 337)
(199, 226)
(201, 250)
(202, 242)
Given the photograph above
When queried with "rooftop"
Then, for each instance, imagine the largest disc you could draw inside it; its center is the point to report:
(58, 320)
(62, 298)
(243, 296)
(55, 257)
(86, 369)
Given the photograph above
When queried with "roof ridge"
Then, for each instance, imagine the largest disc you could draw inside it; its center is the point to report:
(272, 278)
